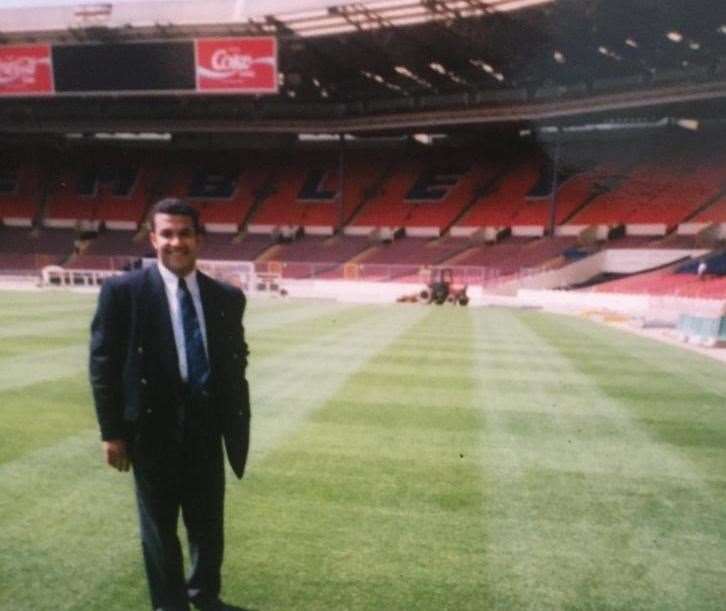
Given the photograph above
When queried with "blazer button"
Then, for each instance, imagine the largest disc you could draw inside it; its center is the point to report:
(148, 410)
(140, 350)
(144, 382)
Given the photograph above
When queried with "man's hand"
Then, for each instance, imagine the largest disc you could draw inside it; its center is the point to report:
(116, 454)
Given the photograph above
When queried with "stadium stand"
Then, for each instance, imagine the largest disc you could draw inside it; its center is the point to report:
(129, 207)
(665, 186)
(220, 246)
(666, 283)
(422, 188)
(110, 250)
(714, 213)
(223, 189)
(499, 205)
(25, 249)
(91, 188)
(251, 247)
(315, 256)
(415, 251)
(578, 183)
(305, 191)
(321, 249)
(115, 243)
(632, 241)
(426, 191)
(674, 240)
(516, 253)
(681, 279)
(18, 191)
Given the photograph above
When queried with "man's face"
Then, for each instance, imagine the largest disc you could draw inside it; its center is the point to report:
(176, 242)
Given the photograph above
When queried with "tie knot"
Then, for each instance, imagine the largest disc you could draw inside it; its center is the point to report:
(183, 285)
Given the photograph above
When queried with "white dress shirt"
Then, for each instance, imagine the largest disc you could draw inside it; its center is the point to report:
(171, 284)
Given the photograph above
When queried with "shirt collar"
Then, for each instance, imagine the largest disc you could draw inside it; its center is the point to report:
(171, 280)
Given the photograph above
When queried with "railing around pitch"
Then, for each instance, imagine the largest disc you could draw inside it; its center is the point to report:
(378, 272)
(248, 275)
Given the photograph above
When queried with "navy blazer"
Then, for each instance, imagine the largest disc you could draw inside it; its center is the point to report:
(134, 367)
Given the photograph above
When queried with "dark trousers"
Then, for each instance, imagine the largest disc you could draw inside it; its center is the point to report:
(184, 471)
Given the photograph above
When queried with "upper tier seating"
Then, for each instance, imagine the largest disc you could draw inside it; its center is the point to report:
(663, 181)
(426, 191)
(305, 192)
(224, 189)
(507, 198)
(664, 187)
(109, 189)
(581, 182)
(18, 191)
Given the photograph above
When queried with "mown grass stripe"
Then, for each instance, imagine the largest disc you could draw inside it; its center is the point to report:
(42, 414)
(375, 502)
(26, 307)
(403, 458)
(290, 335)
(264, 315)
(50, 482)
(57, 326)
(586, 512)
(24, 346)
(68, 537)
(41, 366)
(288, 384)
(680, 407)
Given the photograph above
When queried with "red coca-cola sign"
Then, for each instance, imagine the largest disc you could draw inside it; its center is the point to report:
(236, 64)
(26, 70)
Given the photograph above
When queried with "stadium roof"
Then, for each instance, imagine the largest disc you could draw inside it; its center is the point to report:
(304, 17)
(412, 64)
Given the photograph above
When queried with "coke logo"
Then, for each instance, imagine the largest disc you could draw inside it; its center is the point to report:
(236, 64)
(224, 61)
(20, 69)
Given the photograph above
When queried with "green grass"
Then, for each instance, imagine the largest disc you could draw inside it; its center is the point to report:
(403, 457)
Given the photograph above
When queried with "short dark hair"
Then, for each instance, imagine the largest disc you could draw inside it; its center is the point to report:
(178, 206)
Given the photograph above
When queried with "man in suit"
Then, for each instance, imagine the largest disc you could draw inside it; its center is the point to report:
(167, 369)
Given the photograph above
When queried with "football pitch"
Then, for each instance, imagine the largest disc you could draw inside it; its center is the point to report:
(404, 458)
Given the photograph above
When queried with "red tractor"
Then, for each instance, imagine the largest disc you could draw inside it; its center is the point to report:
(442, 289)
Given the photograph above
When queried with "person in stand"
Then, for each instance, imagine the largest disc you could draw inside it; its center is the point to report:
(167, 370)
